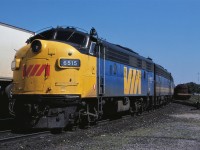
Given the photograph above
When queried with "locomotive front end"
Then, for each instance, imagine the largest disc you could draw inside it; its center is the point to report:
(47, 78)
(48, 68)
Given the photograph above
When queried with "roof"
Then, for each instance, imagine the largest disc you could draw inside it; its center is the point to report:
(17, 28)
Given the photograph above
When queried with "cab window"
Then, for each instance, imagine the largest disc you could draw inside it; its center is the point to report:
(92, 48)
(72, 37)
(46, 35)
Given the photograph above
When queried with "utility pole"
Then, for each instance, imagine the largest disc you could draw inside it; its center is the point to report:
(198, 104)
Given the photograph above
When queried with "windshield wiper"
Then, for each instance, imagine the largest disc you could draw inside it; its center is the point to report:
(70, 35)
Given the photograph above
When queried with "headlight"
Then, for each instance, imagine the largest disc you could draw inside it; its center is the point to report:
(36, 46)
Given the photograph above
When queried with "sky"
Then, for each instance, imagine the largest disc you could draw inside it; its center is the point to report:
(168, 31)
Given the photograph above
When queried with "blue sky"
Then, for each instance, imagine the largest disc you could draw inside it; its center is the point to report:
(168, 31)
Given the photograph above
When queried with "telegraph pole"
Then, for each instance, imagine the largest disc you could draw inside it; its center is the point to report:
(198, 104)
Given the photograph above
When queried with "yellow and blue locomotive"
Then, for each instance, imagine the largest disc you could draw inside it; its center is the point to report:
(65, 76)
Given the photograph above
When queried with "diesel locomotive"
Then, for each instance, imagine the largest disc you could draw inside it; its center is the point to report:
(65, 76)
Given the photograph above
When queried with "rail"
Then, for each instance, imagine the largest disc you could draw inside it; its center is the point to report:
(13, 138)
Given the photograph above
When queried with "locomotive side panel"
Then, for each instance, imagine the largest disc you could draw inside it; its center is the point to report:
(123, 80)
(163, 85)
(163, 81)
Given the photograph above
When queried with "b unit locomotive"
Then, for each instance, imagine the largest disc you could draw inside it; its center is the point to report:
(65, 76)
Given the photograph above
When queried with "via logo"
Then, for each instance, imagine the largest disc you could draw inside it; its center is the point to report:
(36, 70)
(132, 81)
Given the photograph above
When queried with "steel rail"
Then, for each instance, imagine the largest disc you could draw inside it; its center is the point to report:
(6, 119)
(4, 131)
(8, 139)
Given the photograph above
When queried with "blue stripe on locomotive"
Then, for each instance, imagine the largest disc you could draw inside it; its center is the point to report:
(114, 79)
(163, 86)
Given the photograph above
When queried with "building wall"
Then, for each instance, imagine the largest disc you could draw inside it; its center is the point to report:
(11, 39)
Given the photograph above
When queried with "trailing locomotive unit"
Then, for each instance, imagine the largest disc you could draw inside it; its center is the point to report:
(64, 76)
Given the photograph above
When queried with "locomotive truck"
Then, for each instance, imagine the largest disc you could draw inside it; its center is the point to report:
(65, 76)
(12, 38)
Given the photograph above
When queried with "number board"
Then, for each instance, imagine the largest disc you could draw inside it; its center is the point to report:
(69, 63)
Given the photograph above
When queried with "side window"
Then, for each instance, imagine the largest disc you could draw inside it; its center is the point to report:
(92, 48)
(115, 69)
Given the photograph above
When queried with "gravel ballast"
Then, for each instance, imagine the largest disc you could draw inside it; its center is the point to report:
(174, 126)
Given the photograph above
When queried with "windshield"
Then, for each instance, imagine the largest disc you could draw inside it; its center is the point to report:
(62, 35)
(71, 36)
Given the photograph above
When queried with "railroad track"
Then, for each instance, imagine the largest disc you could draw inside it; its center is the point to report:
(6, 124)
(14, 137)
(6, 119)
(17, 137)
(4, 131)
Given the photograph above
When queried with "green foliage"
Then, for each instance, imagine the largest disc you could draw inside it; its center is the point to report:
(190, 87)
(193, 87)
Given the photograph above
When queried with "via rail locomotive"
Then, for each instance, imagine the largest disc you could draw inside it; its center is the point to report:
(65, 76)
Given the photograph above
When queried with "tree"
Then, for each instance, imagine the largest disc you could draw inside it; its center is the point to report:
(193, 87)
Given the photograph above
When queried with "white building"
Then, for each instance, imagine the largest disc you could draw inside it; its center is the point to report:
(11, 39)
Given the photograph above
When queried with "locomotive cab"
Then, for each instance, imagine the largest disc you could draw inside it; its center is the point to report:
(51, 76)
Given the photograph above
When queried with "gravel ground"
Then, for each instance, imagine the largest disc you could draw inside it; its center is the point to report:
(173, 127)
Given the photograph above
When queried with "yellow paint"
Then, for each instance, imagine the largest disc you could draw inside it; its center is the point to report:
(89, 76)
(51, 51)
(132, 81)
(71, 80)
(17, 65)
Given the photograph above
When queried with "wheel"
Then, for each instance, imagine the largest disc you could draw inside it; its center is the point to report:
(84, 122)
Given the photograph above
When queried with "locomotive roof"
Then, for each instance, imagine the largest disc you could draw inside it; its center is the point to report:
(126, 50)
(16, 28)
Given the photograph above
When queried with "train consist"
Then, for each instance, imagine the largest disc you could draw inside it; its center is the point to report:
(65, 76)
